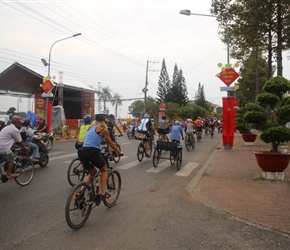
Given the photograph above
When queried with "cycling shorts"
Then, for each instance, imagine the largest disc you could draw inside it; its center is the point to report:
(92, 155)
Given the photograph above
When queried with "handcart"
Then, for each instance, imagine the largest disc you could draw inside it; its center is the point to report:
(175, 155)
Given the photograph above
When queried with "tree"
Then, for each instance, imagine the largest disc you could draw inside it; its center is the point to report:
(178, 90)
(136, 109)
(163, 83)
(255, 26)
(200, 97)
(116, 101)
(105, 95)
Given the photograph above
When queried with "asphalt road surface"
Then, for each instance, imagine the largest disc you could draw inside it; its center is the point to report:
(154, 210)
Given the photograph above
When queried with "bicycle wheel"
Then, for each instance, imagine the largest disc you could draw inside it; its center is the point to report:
(116, 158)
(172, 157)
(25, 168)
(178, 159)
(78, 206)
(140, 152)
(188, 143)
(75, 172)
(156, 157)
(113, 188)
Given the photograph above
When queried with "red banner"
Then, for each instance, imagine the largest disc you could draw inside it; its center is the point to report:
(49, 115)
(228, 121)
(87, 103)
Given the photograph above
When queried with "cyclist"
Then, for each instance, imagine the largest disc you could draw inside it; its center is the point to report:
(8, 136)
(91, 149)
(162, 129)
(83, 131)
(28, 138)
(189, 131)
(146, 128)
(211, 125)
(111, 125)
(206, 125)
(176, 132)
(198, 124)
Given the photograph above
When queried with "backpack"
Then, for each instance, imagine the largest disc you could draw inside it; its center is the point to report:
(23, 135)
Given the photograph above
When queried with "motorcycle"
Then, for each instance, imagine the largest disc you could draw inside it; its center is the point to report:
(43, 152)
(47, 139)
(131, 132)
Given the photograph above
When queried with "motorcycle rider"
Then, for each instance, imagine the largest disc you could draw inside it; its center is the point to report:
(83, 131)
(41, 126)
(2, 123)
(29, 138)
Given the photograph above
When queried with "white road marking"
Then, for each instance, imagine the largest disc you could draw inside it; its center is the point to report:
(125, 143)
(160, 167)
(56, 153)
(187, 169)
(133, 164)
(74, 155)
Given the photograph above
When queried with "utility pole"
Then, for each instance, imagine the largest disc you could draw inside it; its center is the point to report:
(99, 89)
(146, 82)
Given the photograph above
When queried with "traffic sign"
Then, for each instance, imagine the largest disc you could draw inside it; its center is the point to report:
(228, 76)
(47, 86)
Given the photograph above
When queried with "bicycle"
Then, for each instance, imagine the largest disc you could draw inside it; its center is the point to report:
(141, 146)
(188, 142)
(114, 157)
(23, 166)
(76, 172)
(86, 196)
(198, 134)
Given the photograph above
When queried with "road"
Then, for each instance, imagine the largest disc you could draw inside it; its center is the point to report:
(154, 210)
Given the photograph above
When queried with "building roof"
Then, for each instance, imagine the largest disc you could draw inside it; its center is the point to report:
(18, 78)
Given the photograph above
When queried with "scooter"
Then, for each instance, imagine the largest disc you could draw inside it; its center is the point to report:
(43, 152)
(47, 139)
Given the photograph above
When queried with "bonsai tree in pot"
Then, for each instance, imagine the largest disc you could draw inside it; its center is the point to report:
(272, 114)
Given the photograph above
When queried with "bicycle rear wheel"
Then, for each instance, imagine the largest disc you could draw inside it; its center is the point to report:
(25, 168)
(140, 152)
(178, 159)
(79, 205)
(75, 172)
(115, 157)
(113, 188)
(188, 143)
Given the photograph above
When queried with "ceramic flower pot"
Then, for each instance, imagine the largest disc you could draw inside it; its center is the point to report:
(272, 161)
(249, 137)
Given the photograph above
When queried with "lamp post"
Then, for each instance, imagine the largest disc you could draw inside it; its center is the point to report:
(48, 72)
(49, 58)
(188, 13)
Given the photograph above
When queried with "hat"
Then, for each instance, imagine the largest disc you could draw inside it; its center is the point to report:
(2, 119)
(16, 118)
(177, 122)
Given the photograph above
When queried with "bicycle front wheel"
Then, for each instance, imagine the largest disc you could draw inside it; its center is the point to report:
(113, 188)
(79, 205)
(140, 152)
(75, 172)
(115, 157)
(25, 168)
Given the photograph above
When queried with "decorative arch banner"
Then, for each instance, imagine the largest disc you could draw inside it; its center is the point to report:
(228, 120)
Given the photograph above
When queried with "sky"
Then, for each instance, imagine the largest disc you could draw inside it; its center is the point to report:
(118, 38)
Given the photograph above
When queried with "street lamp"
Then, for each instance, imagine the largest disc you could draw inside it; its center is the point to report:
(48, 73)
(49, 58)
(188, 13)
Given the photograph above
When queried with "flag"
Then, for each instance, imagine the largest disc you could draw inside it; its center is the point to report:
(228, 121)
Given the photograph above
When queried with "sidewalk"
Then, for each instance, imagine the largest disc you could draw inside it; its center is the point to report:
(231, 181)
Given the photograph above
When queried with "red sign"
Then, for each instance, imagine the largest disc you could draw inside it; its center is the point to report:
(47, 86)
(228, 76)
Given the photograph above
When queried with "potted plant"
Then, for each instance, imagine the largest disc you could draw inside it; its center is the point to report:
(270, 117)
(244, 127)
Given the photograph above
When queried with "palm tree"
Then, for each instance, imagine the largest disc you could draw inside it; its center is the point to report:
(116, 100)
(105, 95)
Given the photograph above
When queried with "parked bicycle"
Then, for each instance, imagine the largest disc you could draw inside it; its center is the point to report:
(86, 196)
(23, 166)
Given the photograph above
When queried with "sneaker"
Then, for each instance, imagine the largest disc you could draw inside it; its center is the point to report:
(147, 155)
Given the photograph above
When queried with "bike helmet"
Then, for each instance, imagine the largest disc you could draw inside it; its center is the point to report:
(101, 116)
(111, 116)
(26, 122)
(146, 115)
(88, 119)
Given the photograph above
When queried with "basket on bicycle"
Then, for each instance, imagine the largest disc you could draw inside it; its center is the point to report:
(167, 145)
